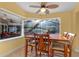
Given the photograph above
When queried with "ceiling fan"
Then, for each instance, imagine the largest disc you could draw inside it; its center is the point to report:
(44, 7)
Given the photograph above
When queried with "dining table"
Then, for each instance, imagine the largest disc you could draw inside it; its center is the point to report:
(55, 37)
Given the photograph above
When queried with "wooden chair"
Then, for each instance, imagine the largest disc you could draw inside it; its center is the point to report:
(65, 34)
(64, 46)
(42, 43)
(29, 43)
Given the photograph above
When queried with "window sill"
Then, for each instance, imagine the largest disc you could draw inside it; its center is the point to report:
(13, 38)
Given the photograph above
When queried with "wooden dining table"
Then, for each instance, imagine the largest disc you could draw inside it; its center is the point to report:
(57, 37)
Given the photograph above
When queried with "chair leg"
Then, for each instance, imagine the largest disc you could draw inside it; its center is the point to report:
(26, 51)
(70, 48)
(40, 53)
(31, 48)
(26, 48)
(52, 52)
(48, 52)
(70, 54)
(36, 51)
(65, 51)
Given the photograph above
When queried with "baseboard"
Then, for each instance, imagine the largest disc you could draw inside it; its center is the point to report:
(11, 51)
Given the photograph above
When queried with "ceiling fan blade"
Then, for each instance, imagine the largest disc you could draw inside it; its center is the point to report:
(38, 11)
(52, 6)
(35, 6)
(47, 11)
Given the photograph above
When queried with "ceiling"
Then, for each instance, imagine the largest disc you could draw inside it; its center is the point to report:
(63, 6)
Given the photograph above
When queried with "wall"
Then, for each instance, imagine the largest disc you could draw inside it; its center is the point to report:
(76, 24)
(8, 46)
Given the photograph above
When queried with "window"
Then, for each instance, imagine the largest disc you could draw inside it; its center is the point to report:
(8, 31)
(42, 26)
(10, 24)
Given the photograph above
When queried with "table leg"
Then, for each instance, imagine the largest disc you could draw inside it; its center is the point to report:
(26, 47)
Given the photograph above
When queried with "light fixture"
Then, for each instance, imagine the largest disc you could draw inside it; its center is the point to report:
(43, 10)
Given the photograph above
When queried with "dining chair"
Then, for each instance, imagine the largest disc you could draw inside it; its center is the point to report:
(30, 43)
(42, 44)
(65, 34)
(64, 46)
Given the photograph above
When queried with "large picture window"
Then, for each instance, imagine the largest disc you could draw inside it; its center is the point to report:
(8, 31)
(42, 26)
(10, 24)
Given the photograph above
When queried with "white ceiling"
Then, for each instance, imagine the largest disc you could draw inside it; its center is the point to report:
(63, 6)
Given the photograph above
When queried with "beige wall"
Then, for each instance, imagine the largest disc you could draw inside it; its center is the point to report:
(76, 24)
(8, 46)
(68, 23)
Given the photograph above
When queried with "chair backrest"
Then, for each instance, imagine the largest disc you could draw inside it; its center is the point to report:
(65, 34)
(70, 36)
(42, 40)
